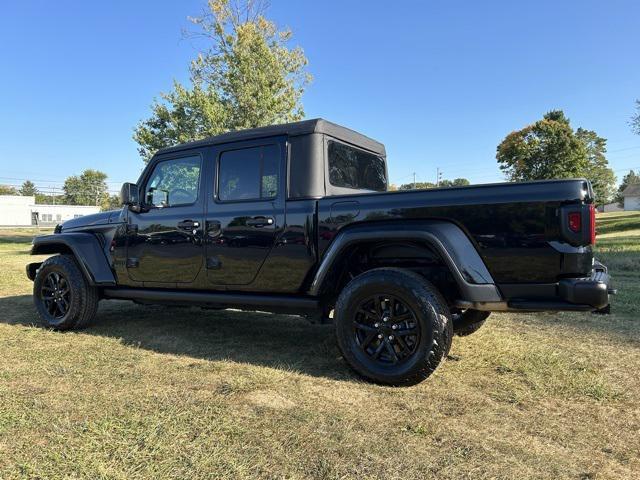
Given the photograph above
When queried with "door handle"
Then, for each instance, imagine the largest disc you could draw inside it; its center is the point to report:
(188, 225)
(259, 222)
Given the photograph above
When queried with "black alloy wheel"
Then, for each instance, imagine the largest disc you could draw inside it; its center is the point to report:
(386, 329)
(56, 295)
(392, 326)
(62, 295)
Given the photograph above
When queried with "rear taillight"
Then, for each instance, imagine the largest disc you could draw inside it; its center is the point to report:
(575, 221)
(592, 224)
(578, 224)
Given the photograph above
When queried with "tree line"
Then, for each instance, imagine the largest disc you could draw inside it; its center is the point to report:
(88, 188)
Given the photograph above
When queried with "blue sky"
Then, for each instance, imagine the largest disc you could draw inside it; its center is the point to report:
(439, 82)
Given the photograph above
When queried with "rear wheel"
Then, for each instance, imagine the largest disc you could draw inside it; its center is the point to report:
(468, 321)
(62, 296)
(392, 326)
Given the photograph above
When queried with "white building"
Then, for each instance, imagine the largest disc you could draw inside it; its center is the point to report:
(631, 196)
(610, 207)
(18, 211)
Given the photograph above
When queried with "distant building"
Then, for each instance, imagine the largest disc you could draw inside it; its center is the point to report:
(18, 211)
(631, 196)
(610, 207)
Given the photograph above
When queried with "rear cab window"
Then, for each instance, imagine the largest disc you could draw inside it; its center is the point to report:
(354, 168)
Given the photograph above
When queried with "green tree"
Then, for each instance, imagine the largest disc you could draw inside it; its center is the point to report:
(248, 77)
(88, 188)
(110, 202)
(8, 190)
(417, 186)
(635, 120)
(629, 179)
(546, 149)
(550, 148)
(456, 182)
(49, 199)
(28, 189)
(597, 169)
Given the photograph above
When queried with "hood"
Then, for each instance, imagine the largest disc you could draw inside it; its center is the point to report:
(102, 218)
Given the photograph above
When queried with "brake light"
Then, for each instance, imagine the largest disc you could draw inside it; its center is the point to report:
(592, 220)
(575, 222)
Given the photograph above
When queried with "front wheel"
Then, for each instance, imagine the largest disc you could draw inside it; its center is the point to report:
(392, 326)
(62, 296)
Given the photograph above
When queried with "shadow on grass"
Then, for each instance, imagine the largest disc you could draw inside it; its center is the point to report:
(277, 341)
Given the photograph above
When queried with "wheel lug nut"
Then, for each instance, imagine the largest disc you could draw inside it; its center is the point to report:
(390, 337)
(377, 325)
(394, 327)
(380, 336)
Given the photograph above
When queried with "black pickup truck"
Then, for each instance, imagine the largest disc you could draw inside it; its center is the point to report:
(297, 218)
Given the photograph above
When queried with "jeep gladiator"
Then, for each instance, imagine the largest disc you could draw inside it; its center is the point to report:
(297, 218)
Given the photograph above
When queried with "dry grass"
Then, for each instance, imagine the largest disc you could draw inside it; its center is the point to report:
(184, 393)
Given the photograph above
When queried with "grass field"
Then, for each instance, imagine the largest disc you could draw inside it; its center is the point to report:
(149, 392)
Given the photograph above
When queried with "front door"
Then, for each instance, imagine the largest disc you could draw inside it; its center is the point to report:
(164, 244)
(245, 213)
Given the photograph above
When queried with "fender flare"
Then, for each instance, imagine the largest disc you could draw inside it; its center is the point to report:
(447, 239)
(87, 250)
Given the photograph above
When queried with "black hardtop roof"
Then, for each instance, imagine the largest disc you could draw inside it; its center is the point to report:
(305, 127)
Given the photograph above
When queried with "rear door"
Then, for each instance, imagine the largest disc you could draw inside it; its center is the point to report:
(246, 209)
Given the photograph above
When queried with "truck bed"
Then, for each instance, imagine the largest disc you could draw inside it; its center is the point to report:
(514, 226)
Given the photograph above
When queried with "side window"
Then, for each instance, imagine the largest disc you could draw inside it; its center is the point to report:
(173, 182)
(354, 168)
(249, 173)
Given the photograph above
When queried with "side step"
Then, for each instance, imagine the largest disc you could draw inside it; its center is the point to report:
(244, 301)
(546, 306)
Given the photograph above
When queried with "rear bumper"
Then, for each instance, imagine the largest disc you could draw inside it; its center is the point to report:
(574, 294)
(571, 294)
(593, 290)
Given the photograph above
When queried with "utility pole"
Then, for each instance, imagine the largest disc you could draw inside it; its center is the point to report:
(414, 180)
(438, 176)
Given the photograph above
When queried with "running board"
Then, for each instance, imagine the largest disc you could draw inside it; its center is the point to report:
(548, 306)
(244, 301)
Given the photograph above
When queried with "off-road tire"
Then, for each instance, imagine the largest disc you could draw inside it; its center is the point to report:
(430, 314)
(82, 301)
(468, 322)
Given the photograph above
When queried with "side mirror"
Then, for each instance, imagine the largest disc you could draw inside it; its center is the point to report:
(129, 194)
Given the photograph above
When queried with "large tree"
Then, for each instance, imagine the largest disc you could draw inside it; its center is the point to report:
(546, 149)
(28, 189)
(597, 169)
(88, 188)
(550, 148)
(247, 77)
